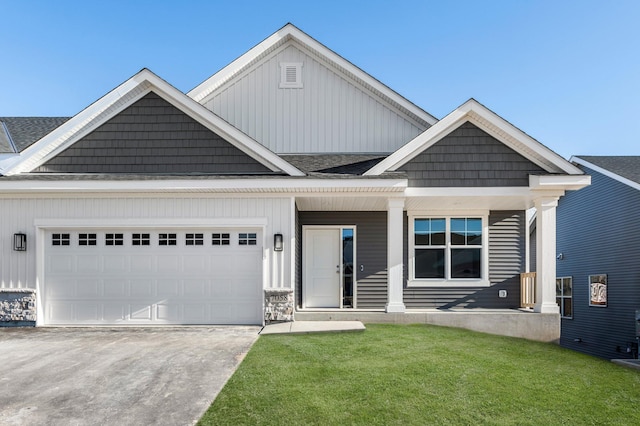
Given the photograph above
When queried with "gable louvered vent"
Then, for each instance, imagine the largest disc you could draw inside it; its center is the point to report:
(291, 75)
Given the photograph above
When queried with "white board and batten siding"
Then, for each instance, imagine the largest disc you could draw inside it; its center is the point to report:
(195, 274)
(329, 113)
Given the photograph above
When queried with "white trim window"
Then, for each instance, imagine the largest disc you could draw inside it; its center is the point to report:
(448, 250)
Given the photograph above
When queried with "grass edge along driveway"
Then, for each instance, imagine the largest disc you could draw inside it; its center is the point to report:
(421, 374)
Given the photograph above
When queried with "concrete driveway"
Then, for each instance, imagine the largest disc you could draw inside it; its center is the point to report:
(119, 376)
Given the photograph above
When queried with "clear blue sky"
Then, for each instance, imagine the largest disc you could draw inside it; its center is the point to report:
(567, 72)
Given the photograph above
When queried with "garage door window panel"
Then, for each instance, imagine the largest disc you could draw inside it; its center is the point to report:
(220, 239)
(167, 240)
(114, 239)
(194, 239)
(248, 239)
(140, 239)
(87, 239)
(60, 239)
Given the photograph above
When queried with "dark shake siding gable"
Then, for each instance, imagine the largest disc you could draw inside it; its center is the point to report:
(599, 233)
(506, 262)
(153, 136)
(469, 157)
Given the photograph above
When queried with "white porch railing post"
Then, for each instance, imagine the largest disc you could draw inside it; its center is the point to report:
(546, 255)
(395, 209)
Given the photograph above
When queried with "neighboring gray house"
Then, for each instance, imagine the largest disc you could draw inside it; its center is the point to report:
(598, 264)
(289, 176)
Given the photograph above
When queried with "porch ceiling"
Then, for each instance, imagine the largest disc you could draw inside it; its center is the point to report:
(483, 199)
(350, 203)
(479, 202)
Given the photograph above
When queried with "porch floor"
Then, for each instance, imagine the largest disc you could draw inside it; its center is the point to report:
(520, 323)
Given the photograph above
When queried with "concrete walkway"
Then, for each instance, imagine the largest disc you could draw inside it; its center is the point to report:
(312, 327)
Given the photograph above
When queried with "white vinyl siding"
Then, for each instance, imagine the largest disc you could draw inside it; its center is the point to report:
(329, 113)
(19, 269)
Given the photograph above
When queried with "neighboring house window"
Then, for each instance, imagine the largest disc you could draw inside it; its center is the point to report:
(448, 250)
(60, 239)
(291, 75)
(167, 239)
(220, 239)
(564, 296)
(247, 239)
(87, 239)
(140, 239)
(194, 239)
(114, 239)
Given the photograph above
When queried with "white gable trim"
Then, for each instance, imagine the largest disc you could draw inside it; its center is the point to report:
(608, 173)
(125, 95)
(201, 92)
(476, 113)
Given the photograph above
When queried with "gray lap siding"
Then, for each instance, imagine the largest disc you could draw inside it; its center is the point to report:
(371, 252)
(506, 262)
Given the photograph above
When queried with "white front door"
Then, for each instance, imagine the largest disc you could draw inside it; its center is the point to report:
(322, 268)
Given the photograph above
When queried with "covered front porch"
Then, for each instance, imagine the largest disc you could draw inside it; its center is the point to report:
(378, 281)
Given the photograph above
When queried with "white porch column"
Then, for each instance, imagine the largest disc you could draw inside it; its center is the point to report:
(546, 255)
(395, 209)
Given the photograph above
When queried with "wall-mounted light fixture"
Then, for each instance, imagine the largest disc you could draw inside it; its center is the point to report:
(560, 256)
(278, 242)
(20, 242)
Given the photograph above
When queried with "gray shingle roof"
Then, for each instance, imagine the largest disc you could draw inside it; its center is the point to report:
(626, 166)
(26, 130)
(339, 164)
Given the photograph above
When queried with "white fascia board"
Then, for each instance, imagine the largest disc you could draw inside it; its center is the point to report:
(222, 185)
(608, 173)
(487, 120)
(559, 182)
(203, 90)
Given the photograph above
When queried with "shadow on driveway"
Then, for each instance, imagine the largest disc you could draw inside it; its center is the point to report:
(109, 376)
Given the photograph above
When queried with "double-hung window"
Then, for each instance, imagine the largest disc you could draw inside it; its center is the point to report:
(448, 251)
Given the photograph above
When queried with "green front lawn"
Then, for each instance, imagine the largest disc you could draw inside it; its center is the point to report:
(417, 374)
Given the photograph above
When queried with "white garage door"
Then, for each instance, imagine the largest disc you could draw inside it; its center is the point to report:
(166, 276)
